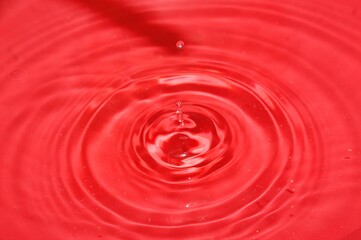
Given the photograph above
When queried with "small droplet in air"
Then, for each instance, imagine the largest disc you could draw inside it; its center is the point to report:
(180, 44)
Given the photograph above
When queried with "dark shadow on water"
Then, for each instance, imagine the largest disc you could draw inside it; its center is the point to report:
(136, 21)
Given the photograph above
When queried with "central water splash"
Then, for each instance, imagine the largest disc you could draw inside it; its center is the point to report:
(179, 114)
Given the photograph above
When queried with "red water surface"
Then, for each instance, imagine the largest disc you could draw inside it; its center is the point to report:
(175, 119)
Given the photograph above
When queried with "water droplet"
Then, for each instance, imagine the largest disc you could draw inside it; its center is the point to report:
(291, 190)
(188, 205)
(180, 44)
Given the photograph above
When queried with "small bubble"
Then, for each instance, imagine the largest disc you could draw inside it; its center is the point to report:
(349, 149)
(292, 180)
(180, 44)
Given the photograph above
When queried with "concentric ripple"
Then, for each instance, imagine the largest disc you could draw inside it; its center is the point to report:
(214, 148)
(180, 120)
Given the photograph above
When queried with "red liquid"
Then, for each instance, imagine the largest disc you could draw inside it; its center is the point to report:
(180, 120)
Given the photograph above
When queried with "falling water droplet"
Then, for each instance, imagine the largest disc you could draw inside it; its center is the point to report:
(180, 44)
